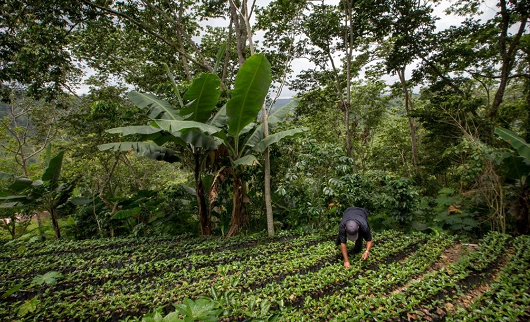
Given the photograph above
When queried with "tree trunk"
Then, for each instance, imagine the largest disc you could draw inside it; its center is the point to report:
(185, 64)
(268, 199)
(39, 222)
(55, 223)
(401, 74)
(508, 46)
(204, 217)
(240, 33)
(238, 219)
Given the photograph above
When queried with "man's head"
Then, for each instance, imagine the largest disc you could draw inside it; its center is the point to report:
(352, 230)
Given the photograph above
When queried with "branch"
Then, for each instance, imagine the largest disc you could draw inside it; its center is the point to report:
(148, 30)
(181, 30)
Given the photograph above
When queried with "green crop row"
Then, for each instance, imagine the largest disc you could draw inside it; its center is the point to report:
(370, 283)
(294, 287)
(508, 297)
(295, 278)
(80, 271)
(420, 293)
(93, 300)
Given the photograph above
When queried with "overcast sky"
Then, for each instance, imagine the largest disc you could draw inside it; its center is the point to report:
(488, 7)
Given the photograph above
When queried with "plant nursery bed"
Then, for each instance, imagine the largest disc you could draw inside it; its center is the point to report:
(290, 277)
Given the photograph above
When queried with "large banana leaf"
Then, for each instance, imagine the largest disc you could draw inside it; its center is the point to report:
(248, 159)
(200, 140)
(280, 114)
(250, 88)
(517, 142)
(6, 176)
(130, 130)
(516, 167)
(185, 126)
(148, 150)
(157, 108)
(53, 171)
(20, 184)
(271, 139)
(219, 119)
(126, 213)
(276, 117)
(204, 93)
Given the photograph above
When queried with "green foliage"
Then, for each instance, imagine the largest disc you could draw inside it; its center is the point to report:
(320, 182)
(257, 278)
(202, 309)
(49, 278)
(451, 213)
(250, 89)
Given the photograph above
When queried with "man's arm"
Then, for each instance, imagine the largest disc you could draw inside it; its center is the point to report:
(344, 249)
(367, 252)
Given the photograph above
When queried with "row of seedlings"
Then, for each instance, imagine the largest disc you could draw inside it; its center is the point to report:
(375, 281)
(122, 291)
(295, 287)
(508, 296)
(418, 297)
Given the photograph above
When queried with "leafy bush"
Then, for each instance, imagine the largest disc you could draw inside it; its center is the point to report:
(322, 182)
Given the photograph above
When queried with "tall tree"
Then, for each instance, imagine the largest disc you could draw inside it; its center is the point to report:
(34, 54)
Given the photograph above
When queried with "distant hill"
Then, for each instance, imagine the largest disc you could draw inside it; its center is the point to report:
(279, 103)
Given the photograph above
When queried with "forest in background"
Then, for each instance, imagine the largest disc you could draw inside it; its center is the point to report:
(451, 156)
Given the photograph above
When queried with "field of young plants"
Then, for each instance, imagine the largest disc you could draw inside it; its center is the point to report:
(289, 277)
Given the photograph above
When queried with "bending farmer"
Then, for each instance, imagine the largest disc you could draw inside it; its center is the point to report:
(354, 226)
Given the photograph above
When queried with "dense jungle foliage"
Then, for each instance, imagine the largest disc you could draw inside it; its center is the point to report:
(423, 122)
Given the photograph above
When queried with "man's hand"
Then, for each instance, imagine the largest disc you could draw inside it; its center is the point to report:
(346, 264)
(365, 255)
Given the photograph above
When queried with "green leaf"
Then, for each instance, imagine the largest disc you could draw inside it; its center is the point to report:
(148, 150)
(11, 204)
(126, 213)
(516, 167)
(174, 84)
(12, 290)
(250, 89)
(13, 197)
(6, 176)
(28, 306)
(271, 139)
(130, 130)
(219, 57)
(517, 142)
(246, 160)
(157, 108)
(184, 126)
(20, 184)
(49, 278)
(204, 93)
(53, 171)
(79, 201)
(219, 119)
(200, 140)
(280, 114)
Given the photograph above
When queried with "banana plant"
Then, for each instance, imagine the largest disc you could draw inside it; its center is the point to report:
(191, 126)
(48, 192)
(195, 142)
(520, 166)
(241, 136)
